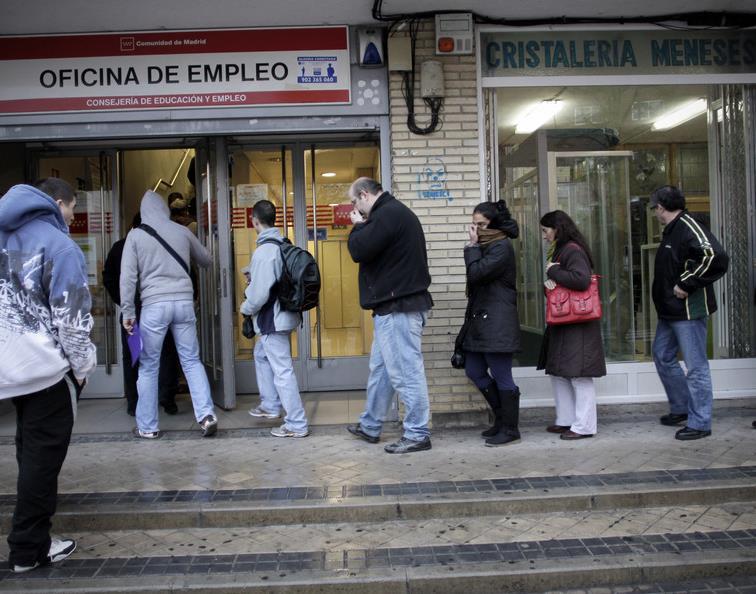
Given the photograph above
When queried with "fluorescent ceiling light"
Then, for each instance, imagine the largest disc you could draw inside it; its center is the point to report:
(680, 115)
(537, 116)
(328, 174)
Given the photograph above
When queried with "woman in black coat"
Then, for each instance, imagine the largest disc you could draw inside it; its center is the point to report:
(572, 354)
(493, 327)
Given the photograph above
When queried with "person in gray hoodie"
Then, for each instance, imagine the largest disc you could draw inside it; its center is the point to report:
(165, 289)
(45, 321)
(273, 326)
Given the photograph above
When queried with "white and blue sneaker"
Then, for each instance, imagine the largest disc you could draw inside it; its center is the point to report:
(59, 549)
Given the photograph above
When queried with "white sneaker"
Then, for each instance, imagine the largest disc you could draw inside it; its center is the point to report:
(59, 550)
(261, 413)
(137, 432)
(284, 431)
(209, 426)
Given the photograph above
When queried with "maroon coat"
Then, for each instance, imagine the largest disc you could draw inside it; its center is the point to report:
(572, 350)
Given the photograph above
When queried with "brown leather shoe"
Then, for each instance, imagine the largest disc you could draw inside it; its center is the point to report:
(573, 435)
(557, 428)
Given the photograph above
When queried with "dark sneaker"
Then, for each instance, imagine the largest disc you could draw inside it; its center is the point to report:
(59, 550)
(171, 408)
(686, 434)
(209, 426)
(672, 420)
(145, 434)
(357, 431)
(406, 446)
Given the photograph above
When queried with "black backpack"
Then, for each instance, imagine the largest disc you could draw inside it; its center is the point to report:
(299, 285)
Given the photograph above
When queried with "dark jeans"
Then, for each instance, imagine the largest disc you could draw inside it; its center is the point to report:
(167, 378)
(44, 421)
(477, 366)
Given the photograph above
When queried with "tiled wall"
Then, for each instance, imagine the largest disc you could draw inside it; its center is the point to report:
(455, 148)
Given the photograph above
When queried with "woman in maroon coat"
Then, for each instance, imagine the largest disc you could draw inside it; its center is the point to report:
(572, 354)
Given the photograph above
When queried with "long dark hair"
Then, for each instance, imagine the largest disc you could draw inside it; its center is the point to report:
(499, 217)
(566, 231)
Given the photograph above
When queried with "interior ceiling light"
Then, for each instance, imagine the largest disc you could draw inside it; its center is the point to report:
(328, 174)
(682, 114)
(537, 116)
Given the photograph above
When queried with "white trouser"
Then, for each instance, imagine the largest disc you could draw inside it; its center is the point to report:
(575, 400)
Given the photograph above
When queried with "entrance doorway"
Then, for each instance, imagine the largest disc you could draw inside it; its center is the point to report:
(308, 182)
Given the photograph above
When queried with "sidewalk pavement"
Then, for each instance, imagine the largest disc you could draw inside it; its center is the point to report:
(103, 455)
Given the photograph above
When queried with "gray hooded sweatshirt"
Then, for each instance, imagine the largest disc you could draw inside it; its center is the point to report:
(148, 266)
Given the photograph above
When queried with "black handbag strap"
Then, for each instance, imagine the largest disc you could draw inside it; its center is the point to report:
(169, 249)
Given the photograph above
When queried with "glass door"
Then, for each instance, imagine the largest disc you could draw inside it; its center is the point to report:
(308, 183)
(91, 175)
(216, 292)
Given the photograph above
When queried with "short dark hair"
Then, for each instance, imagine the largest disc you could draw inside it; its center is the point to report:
(365, 184)
(670, 197)
(265, 212)
(56, 188)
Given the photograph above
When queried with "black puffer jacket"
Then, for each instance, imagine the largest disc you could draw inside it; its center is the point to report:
(494, 325)
(572, 350)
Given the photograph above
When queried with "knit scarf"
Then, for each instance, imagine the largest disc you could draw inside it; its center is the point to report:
(550, 252)
(486, 236)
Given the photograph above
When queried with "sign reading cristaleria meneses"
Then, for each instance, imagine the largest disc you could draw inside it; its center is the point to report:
(581, 53)
(174, 69)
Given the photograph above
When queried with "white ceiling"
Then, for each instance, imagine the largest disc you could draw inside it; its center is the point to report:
(68, 16)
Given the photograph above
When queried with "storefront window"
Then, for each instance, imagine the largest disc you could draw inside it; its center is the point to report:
(597, 153)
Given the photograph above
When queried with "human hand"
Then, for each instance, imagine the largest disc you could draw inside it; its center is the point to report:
(128, 325)
(549, 284)
(356, 216)
(679, 293)
(472, 231)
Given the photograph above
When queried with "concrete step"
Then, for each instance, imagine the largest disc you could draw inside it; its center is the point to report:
(405, 501)
(532, 534)
(530, 566)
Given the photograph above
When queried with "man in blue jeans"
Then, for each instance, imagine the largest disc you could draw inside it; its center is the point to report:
(388, 243)
(156, 258)
(688, 261)
(274, 367)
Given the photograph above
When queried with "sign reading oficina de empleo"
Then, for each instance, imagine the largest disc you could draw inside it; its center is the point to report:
(174, 70)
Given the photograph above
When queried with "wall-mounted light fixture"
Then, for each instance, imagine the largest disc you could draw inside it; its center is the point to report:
(682, 114)
(537, 116)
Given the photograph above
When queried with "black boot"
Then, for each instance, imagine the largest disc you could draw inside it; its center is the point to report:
(491, 394)
(510, 416)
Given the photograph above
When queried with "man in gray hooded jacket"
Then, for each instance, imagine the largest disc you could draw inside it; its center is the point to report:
(273, 325)
(166, 292)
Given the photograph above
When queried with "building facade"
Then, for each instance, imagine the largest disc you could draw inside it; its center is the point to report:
(229, 116)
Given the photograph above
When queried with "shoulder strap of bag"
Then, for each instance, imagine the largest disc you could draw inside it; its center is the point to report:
(168, 248)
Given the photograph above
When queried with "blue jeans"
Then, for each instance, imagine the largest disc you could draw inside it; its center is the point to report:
(477, 366)
(691, 395)
(276, 380)
(396, 364)
(155, 321)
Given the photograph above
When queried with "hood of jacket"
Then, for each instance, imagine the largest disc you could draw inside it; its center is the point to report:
(23, 203)
(154, 209)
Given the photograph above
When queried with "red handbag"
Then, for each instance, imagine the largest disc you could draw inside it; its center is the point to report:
(567, 306)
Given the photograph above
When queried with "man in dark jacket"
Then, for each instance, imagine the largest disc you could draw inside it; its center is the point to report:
(688, 261)
(388, 243)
